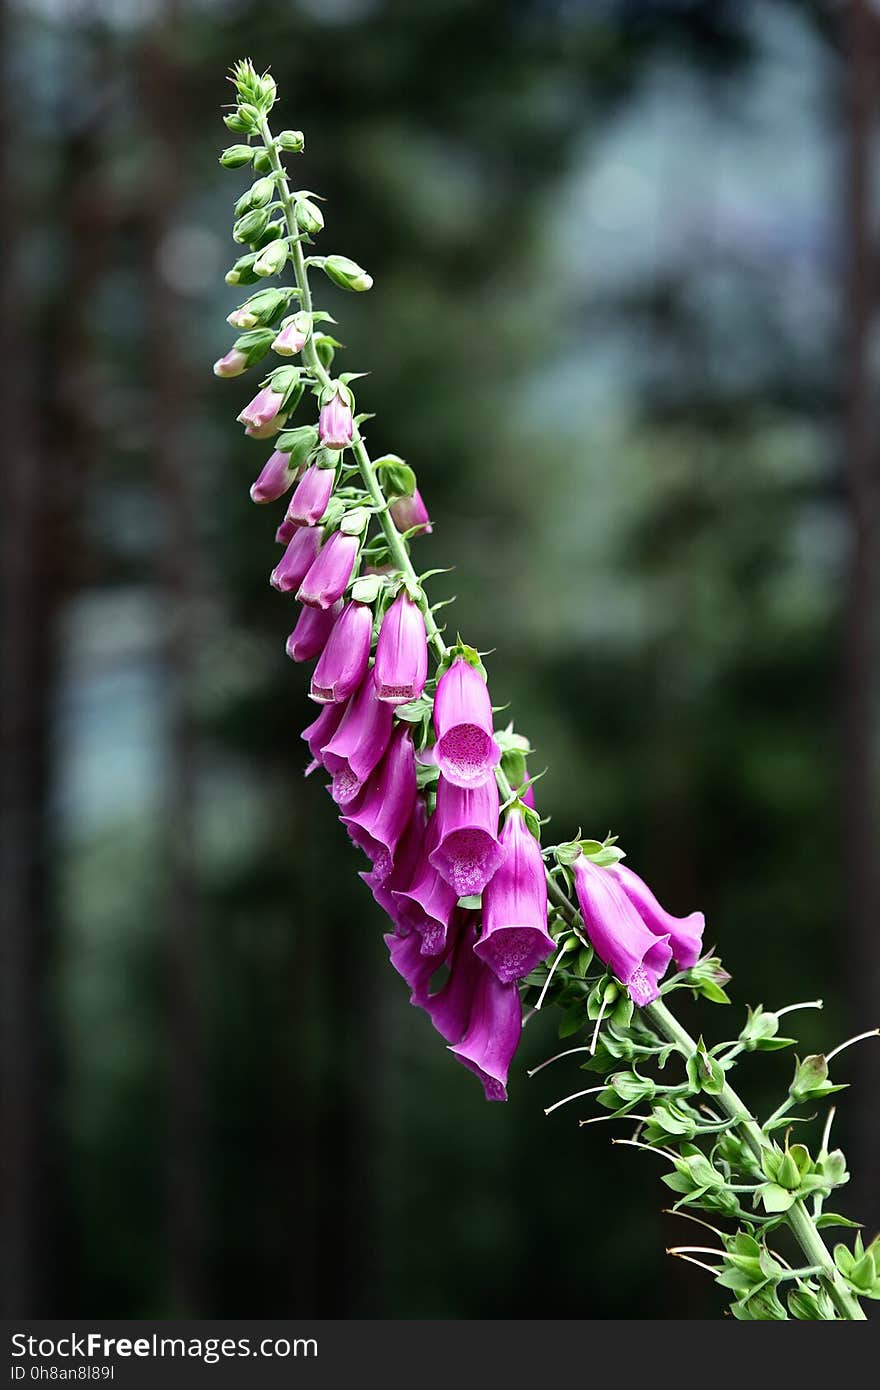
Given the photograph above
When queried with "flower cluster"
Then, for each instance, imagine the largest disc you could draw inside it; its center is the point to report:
(414, 762)
(441, 804)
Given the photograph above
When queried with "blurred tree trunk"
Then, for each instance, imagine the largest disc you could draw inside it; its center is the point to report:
(164, 98)
(28, 611)
(860, 644)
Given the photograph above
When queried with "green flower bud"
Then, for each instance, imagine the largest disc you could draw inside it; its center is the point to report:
(251, 226)
(262, 161)
(271, 259)
(242, 273)
(292, 140)
(236, 156)
(354, 522)
(348, 275)
(261, 192)
(235, 121)
(298, 443)
(309, 217)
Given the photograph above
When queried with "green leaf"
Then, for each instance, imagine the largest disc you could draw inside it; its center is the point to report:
(775, 1198)
(831, 1218)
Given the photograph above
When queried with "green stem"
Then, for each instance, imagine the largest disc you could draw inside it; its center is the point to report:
(797, 1217)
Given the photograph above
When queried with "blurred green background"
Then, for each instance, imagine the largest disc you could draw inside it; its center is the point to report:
(623, 326)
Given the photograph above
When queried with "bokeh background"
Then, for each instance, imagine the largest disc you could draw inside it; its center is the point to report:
(624, 327)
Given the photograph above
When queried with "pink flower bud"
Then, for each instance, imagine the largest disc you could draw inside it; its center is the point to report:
(467, 850)
(358, 743)
(515, 937)
(291, 339)
(313, 491)
(286, 532)
(310, 635)
(335, 424)
(261, 415)
(401, 653)
(636, 956)
(233, 364)
(406, 861)
(465, 750)
(328, 577)
(409, 512)
(377, 819)
(277, 476)
(297, 560)
(344, 661)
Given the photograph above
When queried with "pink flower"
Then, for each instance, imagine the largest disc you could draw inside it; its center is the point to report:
(406, 861)
(335, 424)
(465, 750)
(327, 578)
(493, 1033)
(685, 934)
(407, 513)
(427, 903)
(344, 661)
(401, 653)
(286, 532)
(636, 956)
(309, 637)
(515, 937)
(261, 415)
(358, 744)
(309, 503)
(320, 732)
(378, 817)
(467, 851)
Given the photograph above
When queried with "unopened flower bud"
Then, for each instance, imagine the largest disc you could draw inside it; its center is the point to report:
(261, 415)
(249, 227)
(348, 275)
(335, 424)
(260, 309)
(271, 258)
(262, 161)
(286, 532)
(292, 140)
(309, 502)
(299, 443)
(309, 217)
(242, 273)
(401, 654)
(274, 480)
(236, 156)
(261, 192)
(410, 513)
(233, 364)
(328, 577)
(309, 637)
(235, 121)
(297, 560)
(293, 336)
(343, 663)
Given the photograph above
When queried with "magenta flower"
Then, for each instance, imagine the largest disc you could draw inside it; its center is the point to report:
(233, 364)
(409, 962)
(291, 340)
(427, 903)
(319, 733)
(467, 850)
(465, 750)
(406, 861)
(493, 1032)
(636, 956)
(335, 424)
(327, 579)
(378, 817)
(261, 415)
(297, 560)
(309, 637)
(685, 934)
(515, 937)
(309, 502)
(450, 1008)
(344, 661)
(401, 653)
(359, 743)
(276, 477)
(409, 512)
(286, 532)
